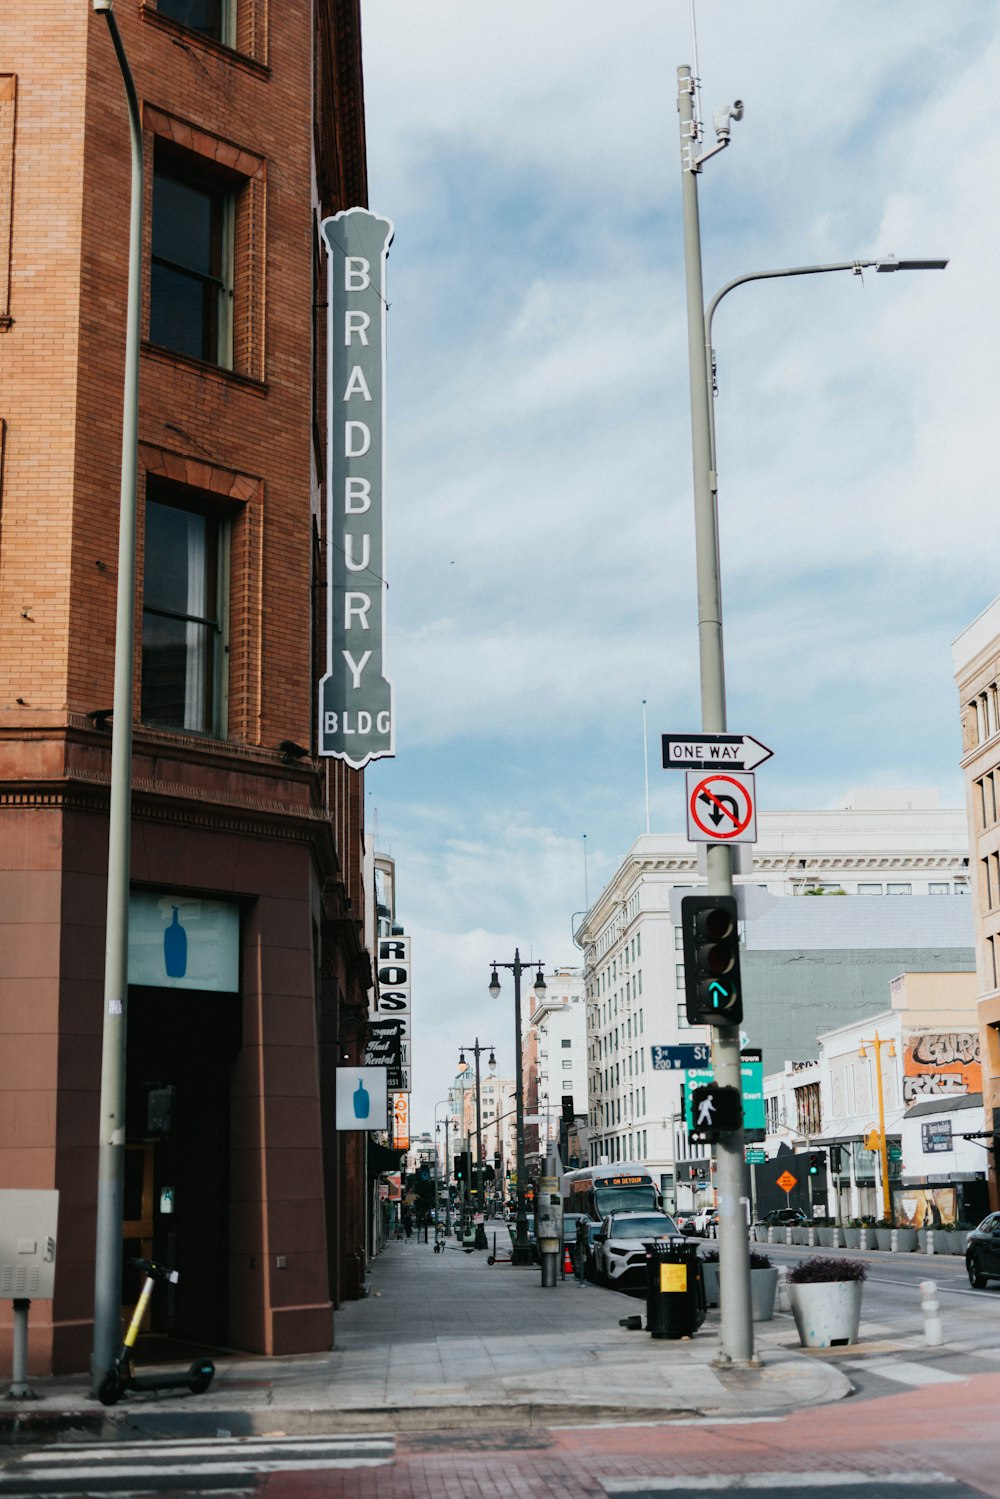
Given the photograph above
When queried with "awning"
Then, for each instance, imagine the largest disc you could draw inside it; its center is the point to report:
(381, 1158)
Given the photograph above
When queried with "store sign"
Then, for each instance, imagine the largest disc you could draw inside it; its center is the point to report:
(362, 1098)
(935, 1137)
(385, 1048)
(182, 942)
(392, 997)
(355, 696)
(401, 1121)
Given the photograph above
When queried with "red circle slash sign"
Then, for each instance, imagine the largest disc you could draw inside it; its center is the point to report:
(721, 807)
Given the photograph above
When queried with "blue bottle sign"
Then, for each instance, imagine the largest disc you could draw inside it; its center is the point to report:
(362, 1101)
(175, 946)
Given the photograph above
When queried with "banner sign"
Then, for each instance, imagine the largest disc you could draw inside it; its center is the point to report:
(392, 996)
(386, 1048)
(355, 696)
(183, 942)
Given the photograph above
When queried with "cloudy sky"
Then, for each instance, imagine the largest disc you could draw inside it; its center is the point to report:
(541, 535)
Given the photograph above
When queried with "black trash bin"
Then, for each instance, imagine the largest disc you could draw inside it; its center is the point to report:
(675, 1289)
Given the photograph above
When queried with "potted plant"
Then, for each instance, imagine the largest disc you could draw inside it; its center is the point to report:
(763, 1282)
(825, 1296)
(904, 1239)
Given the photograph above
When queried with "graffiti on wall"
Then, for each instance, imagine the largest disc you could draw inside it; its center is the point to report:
(941, 1063)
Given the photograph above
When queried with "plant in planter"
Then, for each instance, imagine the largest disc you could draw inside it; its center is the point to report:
(852, 1233)
(825, 1296)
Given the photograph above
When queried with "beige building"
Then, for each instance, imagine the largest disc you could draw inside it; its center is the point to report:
(976, 657)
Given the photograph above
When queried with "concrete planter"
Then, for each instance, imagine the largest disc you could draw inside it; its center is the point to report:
(763, 1289)
(824, 1237)
(927, 1240)
(827, 1312)
(852, 1238)
(904, 1240)
(955, 1240)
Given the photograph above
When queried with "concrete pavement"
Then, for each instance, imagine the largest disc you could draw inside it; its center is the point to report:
(448, 1341)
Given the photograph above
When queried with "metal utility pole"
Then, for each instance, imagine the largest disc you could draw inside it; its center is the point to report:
(737, 1344)
(111, 1144)
(521, 1253)
(480, 1193)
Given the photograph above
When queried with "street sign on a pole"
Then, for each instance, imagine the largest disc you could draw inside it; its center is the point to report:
(678, 1058)
(751, 1082)
(786, 1181)
(721, 808)
(713, 751)
(755, 1156)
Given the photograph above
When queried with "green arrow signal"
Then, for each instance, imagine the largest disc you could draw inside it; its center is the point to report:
(718, 991)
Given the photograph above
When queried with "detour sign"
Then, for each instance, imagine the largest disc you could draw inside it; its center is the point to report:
(786, 1181)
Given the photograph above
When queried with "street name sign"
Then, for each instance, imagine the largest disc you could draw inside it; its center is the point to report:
(713, 752)
(721, 808)
(678, 1058)
(754, 1156)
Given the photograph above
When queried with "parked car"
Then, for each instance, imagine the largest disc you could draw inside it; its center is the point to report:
(619, 1256)
(703, 1223)
(783, 1218)
(982, 1252)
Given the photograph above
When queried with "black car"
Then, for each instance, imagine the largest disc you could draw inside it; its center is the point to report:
(982, 1252)
(783, 1217)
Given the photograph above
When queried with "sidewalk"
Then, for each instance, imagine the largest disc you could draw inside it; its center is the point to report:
(447, 1341)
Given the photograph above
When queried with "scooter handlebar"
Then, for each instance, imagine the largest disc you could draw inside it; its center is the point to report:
(155, 1271)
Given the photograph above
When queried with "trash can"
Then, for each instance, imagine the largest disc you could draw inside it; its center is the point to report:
(675, 1290)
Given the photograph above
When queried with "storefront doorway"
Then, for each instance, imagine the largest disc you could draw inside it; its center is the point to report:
(181, 1048)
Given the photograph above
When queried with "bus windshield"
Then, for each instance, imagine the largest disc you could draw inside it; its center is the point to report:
(624, 1199)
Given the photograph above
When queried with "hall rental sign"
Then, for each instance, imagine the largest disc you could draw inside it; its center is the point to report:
(355, 696)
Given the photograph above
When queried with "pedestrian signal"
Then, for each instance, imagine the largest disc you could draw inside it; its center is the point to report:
(711, 960)
(715, 1111)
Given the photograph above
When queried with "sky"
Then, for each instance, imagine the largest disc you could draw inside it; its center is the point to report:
(541, 539)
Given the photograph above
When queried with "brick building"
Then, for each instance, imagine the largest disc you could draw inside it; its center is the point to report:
(248, 969)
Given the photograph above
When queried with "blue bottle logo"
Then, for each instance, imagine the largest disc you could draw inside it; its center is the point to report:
(175, 948)
(362, 1101)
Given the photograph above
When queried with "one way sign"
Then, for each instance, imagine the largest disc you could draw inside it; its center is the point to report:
(713, 751)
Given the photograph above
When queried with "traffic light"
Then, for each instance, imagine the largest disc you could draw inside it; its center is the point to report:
(567, 1108)
(815, 1162)
(715, 1111)
(711, 960)
(459, 1171)
(836, 1160)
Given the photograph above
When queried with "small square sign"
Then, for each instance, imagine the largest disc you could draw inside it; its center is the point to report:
(362, 1098)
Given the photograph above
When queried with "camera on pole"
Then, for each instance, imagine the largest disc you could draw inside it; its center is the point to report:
(711, 960)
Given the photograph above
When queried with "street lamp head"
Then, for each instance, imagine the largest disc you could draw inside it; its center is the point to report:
(893, 263)
(539, 984)
(494, 990)
(461, 1057)
(492, 1061)
(862, 1053)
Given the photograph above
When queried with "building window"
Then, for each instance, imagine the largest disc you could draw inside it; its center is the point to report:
(898, 888)
(568, 1064)
(191, 290)
(939, 887)
(565, 1042)
(213, 18)
(183, 616)
(872, 888)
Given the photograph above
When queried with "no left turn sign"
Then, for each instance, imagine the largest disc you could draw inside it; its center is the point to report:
(721, 808)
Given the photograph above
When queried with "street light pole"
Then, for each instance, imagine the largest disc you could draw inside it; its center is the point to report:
(480, 1241)
(877, 1042)
(521, 1253)
(734, 1257)
(447, 1169)
(111, 1140)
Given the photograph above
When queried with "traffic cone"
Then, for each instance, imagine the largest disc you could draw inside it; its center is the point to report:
(568, 1266)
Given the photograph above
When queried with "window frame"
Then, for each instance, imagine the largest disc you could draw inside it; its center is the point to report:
(190, 169)
(227, 29)
(208, 506)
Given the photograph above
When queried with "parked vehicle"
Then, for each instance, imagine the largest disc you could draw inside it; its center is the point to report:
(619, 1255)
(783, 1218)
(982, 1252)
(703, 1223)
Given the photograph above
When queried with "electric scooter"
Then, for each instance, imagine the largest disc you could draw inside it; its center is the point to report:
(122, 1376)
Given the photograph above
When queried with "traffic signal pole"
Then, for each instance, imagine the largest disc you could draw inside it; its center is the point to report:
(736, 1311)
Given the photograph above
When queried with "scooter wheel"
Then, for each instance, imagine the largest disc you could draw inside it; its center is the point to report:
(109, 1391)
(490, 1260)
(200, 1376)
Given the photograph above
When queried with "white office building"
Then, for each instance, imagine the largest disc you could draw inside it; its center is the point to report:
(889, 865)
(555, 1055)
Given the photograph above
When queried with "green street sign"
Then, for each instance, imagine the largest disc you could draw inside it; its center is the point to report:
(895, 1152)
(755, 1157)
(752, 1084)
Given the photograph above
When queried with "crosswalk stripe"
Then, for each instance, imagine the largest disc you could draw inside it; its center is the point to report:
(903, 1372)
(211, 1463)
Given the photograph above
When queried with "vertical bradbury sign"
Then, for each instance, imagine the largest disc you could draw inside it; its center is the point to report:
(355, 696)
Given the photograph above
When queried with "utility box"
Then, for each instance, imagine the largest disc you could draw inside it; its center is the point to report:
(548, 1215)
(28, 1223)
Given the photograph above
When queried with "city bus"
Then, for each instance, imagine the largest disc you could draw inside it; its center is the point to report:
(596, 1191)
